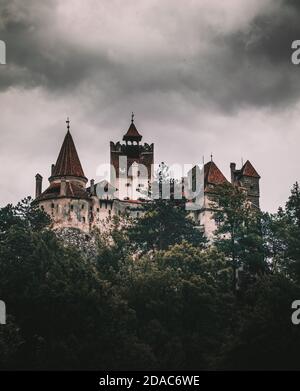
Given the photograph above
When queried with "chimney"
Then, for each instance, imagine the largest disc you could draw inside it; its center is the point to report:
(232, 171)
(52, 169)
(63, 187)
(92, 187)
(38, 185)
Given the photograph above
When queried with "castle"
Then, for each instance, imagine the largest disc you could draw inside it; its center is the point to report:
(71, 204)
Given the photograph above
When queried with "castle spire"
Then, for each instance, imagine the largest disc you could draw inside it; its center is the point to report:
(132, 133)
(68, 163)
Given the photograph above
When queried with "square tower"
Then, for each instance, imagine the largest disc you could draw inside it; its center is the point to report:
(131, 165)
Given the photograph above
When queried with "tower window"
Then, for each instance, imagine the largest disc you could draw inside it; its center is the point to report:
(72, 208)
(83, 219)
(52, 205)
(82, 206)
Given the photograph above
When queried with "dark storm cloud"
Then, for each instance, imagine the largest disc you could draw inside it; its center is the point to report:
(261, 53)
(37, 55)
(247, 66)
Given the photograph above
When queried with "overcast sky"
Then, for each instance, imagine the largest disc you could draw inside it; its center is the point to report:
(201, 76)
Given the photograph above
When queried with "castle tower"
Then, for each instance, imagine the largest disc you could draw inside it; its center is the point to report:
(212, 178)
(247, 178)
(206, 202)
(66, 199)
(131, 165)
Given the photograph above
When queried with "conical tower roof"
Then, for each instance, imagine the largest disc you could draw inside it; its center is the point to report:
(68, 163)
(132, 132)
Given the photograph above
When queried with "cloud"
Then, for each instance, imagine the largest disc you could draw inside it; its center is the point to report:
(218, 53)
(203, 76)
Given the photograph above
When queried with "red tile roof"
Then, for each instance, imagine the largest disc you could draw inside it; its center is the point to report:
(68, 162)
(249, 170)
(213, 175)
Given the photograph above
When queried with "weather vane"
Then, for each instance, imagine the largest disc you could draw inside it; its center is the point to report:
(132, 117)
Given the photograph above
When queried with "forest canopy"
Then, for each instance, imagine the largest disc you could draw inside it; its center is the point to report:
(152, 293)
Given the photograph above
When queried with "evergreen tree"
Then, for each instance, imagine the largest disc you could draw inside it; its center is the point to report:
(164, 223)
(287, 232)
(239, 233)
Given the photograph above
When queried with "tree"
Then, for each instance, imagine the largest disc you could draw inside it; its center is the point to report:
(67, 315)
(31, 214)
(286, 232)
(293, 206)
(183, 304)
(274, 229)
(113, 246)
(239, 233)
(164, 223)
(128, 308)
(264, 337)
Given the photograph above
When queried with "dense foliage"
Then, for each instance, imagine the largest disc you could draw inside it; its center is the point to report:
(153, 294)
